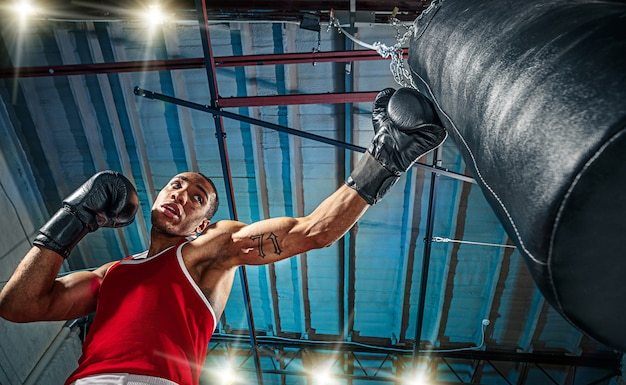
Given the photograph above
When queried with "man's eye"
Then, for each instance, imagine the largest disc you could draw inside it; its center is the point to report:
(199, 199)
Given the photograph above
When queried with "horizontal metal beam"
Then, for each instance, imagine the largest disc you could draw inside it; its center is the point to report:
(303, 134)
(289, 100)
(192, 63)
(300, 58)
(606, 360)
(246, 119)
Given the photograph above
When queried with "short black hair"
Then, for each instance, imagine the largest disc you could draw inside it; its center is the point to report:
(213, 204)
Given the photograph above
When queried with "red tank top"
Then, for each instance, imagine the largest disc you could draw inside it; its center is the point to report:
(151, 319)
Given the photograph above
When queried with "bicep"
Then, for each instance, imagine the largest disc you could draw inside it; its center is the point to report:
(75, 295)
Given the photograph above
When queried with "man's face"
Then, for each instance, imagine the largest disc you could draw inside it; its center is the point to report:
(181, 206)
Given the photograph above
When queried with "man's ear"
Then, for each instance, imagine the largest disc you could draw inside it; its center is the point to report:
(202, 226)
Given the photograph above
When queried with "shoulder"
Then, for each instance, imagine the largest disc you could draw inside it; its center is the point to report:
(220, 230)
(102, 270)
(226, 226)
(217, 242)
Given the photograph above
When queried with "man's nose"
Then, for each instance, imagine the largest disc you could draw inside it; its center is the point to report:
(179, 196)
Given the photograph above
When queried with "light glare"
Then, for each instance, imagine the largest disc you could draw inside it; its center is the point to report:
(228, 375)
(155, 15)
(418, 378)
(24, 8)
(323, 377)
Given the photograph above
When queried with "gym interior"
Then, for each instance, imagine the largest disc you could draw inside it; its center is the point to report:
(438, 282)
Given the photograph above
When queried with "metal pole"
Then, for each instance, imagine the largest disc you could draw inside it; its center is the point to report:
(221, 141)
(216, 111)
(349, 254)
(430, 223)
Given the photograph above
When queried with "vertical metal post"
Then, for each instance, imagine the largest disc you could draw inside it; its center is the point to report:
(430, 223)
(220, 134)
(348, 241)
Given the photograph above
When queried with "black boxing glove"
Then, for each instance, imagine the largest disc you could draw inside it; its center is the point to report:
(107, 199)
(406, 128)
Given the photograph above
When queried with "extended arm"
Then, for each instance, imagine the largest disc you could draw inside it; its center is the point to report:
(274, 239)
(406, 128)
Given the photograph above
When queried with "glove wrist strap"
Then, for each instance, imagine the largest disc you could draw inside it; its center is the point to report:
(61, 233)
(370, 179)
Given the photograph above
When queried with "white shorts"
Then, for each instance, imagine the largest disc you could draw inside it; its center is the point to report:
(122, 379)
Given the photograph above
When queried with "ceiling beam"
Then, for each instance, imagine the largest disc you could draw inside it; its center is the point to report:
(604, 360)
(288, 100)
(312, 58)
(190, 63)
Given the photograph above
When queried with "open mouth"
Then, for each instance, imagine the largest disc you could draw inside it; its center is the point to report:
(172, 209)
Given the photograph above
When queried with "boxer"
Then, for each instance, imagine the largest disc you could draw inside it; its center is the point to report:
(155, 311)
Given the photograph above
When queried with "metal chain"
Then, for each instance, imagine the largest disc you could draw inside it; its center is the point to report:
(401, 75)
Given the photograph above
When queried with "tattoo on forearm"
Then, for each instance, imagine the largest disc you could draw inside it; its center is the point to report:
(259, 239)
(271, 237)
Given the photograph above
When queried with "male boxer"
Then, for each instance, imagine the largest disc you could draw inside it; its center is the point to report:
(155, 312)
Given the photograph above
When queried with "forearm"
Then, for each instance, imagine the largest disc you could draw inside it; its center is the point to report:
(275, 239)
(336, 215)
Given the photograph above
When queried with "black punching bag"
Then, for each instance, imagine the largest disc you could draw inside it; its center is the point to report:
(534, 95)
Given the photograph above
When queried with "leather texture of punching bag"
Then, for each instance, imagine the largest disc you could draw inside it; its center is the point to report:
(534, 95)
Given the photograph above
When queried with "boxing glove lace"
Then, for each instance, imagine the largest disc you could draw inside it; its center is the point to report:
(107, 199)
(405, 129)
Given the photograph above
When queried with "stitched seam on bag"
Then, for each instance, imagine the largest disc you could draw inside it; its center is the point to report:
(493, 193)
(569, 192)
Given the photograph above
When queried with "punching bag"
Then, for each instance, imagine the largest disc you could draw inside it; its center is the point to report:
(533, 93)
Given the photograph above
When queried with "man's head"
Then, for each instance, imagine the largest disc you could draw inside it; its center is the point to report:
(185, 205)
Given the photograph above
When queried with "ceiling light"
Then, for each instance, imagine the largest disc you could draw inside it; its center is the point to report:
(323, 377)
(418, 379)
(24, 8)
(155, 15)
(228, 376)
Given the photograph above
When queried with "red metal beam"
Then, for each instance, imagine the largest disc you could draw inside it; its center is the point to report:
(288, 100)
(299, 58)
(193, 63)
